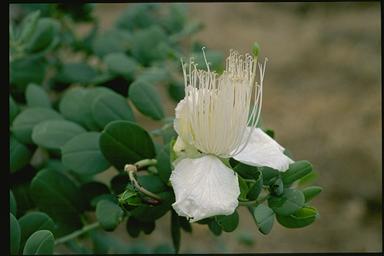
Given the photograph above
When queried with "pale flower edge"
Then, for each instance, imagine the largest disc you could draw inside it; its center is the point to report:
(204, 187)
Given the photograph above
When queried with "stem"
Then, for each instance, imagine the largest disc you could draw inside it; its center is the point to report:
(77, 233)
(132, 168)
(254, 202)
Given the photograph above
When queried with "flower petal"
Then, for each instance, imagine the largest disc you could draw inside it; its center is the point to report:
(262, 150)
(204, 187)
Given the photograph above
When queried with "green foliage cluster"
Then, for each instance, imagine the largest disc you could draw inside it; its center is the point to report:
(72, 114)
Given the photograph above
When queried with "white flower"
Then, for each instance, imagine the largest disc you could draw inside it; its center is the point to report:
(217, 117)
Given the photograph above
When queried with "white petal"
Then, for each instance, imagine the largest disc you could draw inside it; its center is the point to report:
(204, 187)
(262, 150)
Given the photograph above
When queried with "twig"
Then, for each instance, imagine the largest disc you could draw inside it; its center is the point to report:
(254, 202)
(77, 233)
(132, 168)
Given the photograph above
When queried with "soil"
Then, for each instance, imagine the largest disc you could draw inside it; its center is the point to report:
(322, 97)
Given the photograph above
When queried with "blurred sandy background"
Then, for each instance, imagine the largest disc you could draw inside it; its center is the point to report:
(322, 97)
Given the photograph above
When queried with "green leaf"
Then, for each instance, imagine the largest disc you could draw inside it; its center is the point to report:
(152, 183)
(228, 222)
(109, 107)
(120, 64)
(290, 201)
(19, 155)
(108, 214)
(40, 242)
(175, 231)
(296, 171)
(12, 203)
(269, 175)
(151, 213)
(154, 75)
(308, 179)
(13, 109)
(243, 188)
(113, 40)
(301, 218)
(76, 72)
(136, 17)
(59, 197)
(53, 134)
(28, 26)
(45, 32)
(26, 71)
(124, 142)
(37, 97)
(119, 182)
(311, 192)
(270, 132)
(25, 122)
(146, 99)
(164, 163)
(247, 171)
(214, 227)
(264, 217)
(133, 227)
(15, 234)
(185, 225)
(91, 190)
(23, 197)
(277, 187)
(32, 222)
(176, 91)
(146, 45)
(82, 154)
(76, 105)
(255, 188)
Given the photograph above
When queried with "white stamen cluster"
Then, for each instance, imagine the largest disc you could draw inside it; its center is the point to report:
(220, 107)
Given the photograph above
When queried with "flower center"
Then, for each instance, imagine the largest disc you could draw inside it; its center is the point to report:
(219, 108)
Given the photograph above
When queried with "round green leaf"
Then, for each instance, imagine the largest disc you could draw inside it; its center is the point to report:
(119, 182)
(19, 155)
(311, 192)
(27, 70)
(154, 75)
(289, 202)
(228, 222)
(23, 124)
(133, 227)
(108, 214)
(296, 171)
(40, 242)
(124, 142)
(120, 64)
(32, 222)
(113, 40)
(152, 183)
(13, 109)
(146, 99)
(12, 203)
(214, 227)
(82, 154)
(53, 134)
(164, 163)
(176, 91)
(175, 231)
(44, 33)
(91, 190)
(76, 72)
(58, 196)
(15, 234)
(37, 97)
(301, 218)
(255, 188)
(149, 213)
(110, 107)
(264, 217)
(146, 44)
(28, 26)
